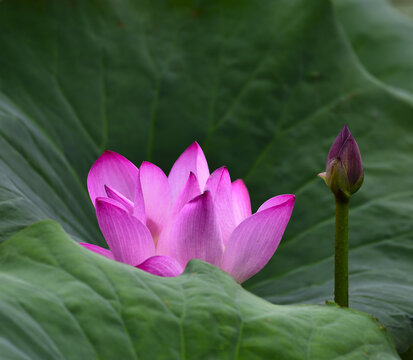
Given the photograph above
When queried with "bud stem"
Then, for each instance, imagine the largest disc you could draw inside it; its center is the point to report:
(341, 252)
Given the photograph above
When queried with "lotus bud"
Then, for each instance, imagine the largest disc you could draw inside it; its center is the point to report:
(344, 169)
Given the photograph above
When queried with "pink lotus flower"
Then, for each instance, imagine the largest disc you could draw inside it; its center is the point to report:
(159, 223)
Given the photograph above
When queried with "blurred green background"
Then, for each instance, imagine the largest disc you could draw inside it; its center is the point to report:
(405, 6)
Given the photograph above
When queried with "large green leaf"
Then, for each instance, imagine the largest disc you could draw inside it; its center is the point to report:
(263, 86)
(405, 6)
(382, 39)
(73, 304)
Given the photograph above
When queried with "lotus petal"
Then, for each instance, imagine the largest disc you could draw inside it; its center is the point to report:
(98, 250)
(115, 171)
(219, 184)
(139, 204)
(191, 160)
(115, 195)
(196, 234)
(189, 192)
(157, 197)
(128, 238)
(161, 265)
(254, 241)
(339, 142)
(241, 201)
(274, 201)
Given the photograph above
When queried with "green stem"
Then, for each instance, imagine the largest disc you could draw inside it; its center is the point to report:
(341, 252)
